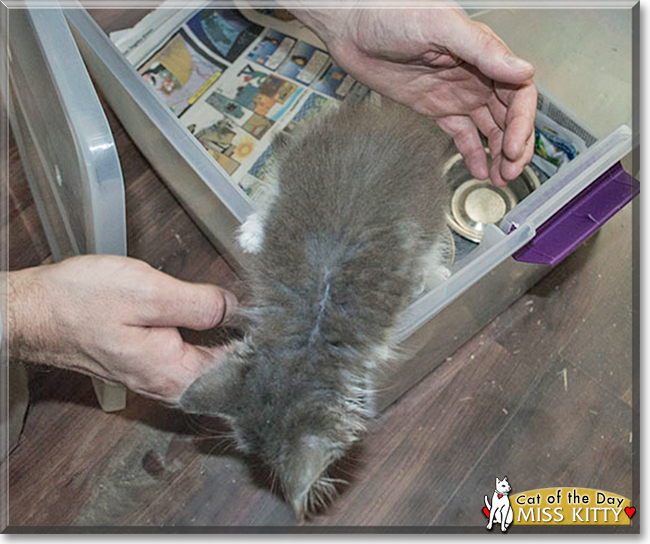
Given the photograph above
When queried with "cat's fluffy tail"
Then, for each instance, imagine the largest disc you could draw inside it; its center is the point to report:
(487, 503)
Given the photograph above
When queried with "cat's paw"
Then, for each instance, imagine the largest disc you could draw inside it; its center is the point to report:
(251, 234)
(443, 272)
(436, 263)
(435, 276)
(420, 289)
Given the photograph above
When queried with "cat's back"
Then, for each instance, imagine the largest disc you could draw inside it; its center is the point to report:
(360, 201)
(361, 166)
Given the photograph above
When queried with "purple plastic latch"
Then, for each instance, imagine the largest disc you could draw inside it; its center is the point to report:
(580, 218)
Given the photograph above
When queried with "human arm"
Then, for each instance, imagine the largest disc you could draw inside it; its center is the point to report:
(441, 64)
(115, 318)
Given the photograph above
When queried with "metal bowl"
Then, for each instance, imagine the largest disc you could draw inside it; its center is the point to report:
(476, 203)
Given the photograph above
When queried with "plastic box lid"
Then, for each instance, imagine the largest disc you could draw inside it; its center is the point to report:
(63, 137)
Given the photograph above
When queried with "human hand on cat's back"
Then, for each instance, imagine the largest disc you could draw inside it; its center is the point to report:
(115, 318)
(442, 64)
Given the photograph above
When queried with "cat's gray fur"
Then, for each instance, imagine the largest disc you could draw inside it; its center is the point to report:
(358, 208)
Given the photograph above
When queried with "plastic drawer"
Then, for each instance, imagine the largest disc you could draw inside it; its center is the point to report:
(66, 147)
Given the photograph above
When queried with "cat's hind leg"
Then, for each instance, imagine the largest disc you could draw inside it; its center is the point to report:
(436, 261)
(250, 236)
(490, 519)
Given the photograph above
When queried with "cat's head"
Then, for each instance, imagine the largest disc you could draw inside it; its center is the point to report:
(503, 486)
(298, 423)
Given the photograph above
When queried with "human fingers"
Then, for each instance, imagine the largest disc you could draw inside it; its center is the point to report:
(156, 362)
(498, 110)
(467, 140)
(520, 119)
(510, 170)
(194, 361)
(174, 303)
(487, 125)
(478, 45)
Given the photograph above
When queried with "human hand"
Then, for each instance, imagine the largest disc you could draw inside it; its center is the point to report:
(441, 64)
(115, 318)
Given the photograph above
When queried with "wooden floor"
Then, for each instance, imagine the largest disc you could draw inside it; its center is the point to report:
(544, 395)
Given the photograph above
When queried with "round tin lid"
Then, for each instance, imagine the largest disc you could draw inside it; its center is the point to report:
(476, 203)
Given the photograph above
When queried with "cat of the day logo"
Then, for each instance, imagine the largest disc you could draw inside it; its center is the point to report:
(555, 506)
(500, 510)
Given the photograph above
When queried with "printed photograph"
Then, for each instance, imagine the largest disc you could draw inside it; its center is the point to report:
(253, 123)
(304, 63)
(256, 189)
(179, 73)
(228, 142)
(272, 49)
(334, 82)
(259, 91)
(263, 169)
(224, 31)
(311, 108)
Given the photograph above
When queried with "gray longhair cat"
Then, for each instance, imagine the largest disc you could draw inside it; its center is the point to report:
(353, 232)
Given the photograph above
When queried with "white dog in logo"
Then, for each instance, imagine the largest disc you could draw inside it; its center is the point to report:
(500, 511)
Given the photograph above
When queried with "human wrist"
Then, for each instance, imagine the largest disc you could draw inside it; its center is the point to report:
(29, 315)
(328, 24)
